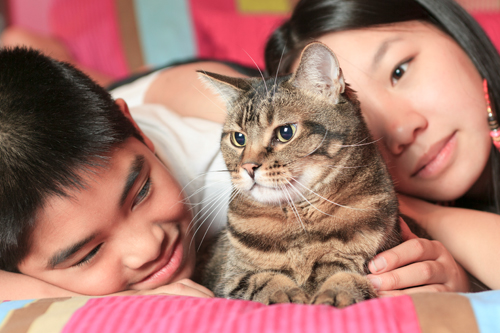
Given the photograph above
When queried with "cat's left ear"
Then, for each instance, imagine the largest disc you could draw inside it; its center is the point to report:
(319, 71)
(229, 88)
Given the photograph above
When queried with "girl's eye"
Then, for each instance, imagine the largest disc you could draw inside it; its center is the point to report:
(143, 193)
(285, 133)
(399, 72)
(238, 139)
(89, 256)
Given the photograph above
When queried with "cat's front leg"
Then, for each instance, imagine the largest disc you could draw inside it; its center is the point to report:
(343, 289)
(269, 288)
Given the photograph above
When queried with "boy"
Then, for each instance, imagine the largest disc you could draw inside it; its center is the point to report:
(86, 205)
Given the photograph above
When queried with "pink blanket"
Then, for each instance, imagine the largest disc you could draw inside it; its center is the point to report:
(186, 314)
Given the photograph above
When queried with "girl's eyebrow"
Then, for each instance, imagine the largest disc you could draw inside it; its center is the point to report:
(134, 172)
(66, 253)
(382, 50)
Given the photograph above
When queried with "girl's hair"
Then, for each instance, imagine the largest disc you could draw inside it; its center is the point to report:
(312, 19)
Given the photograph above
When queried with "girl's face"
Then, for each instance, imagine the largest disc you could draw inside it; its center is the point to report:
(423, 101)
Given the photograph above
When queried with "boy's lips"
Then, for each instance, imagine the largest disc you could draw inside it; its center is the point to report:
(434, 160)
(168, 263)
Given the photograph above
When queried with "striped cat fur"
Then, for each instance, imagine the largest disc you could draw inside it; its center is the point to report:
(313, 201)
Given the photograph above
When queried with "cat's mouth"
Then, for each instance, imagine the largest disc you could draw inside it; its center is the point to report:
(277, 194)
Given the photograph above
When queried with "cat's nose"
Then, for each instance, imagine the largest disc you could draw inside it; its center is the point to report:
(250, 167)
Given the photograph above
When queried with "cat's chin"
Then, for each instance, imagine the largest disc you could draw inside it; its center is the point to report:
(273, 195)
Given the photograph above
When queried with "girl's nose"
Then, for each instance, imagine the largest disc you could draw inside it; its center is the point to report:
(402, 128)
(141, 247)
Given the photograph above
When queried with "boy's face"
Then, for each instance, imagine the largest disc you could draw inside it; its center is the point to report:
(128, 229)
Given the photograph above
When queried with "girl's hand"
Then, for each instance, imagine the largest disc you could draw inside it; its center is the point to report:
(416, 265)
(183, 287)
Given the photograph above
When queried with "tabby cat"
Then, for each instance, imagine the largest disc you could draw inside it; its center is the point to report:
(313, 201)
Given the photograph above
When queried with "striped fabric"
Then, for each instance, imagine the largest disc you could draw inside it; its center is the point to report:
(186, 314)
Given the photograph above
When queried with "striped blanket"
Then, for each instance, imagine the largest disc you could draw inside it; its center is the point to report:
(187, 314)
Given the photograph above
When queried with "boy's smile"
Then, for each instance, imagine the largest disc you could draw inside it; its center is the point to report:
(127, 229)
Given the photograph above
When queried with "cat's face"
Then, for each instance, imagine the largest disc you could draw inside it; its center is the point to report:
(279, 143)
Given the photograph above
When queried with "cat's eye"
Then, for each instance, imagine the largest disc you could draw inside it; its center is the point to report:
(285, 133)
(238, 139)
(399, 71)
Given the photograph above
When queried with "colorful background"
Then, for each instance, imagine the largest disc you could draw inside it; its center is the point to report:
(120, 37)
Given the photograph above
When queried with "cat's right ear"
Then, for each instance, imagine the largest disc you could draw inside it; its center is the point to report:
(228, 88)
(319, 72)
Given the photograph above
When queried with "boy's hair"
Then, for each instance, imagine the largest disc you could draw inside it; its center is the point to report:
(56, 124)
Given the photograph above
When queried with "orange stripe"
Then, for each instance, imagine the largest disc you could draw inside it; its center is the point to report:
(129, 34)
(20, 320)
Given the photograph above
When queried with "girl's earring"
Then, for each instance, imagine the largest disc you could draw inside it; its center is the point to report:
(492, 121)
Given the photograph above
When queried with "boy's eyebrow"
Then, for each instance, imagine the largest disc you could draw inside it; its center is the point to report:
(63, 255)
(382, 50)
(134, 171)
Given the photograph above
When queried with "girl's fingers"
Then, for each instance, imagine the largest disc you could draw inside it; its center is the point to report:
(417, 274)
(421, 289)
(410, 251)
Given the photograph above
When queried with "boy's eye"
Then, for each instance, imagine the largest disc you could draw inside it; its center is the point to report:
(238, 139)
(285, 133)
(89, 256)
(143, 193)
(399, 71)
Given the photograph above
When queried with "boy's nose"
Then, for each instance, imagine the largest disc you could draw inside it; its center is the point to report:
(143, 247)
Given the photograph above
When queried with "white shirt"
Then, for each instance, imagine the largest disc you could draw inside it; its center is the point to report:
(189, 147)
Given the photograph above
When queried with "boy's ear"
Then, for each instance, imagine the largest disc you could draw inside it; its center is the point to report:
(124, 108)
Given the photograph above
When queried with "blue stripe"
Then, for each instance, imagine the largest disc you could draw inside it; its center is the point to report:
(486, 306)
(6, 307)
(165, 30)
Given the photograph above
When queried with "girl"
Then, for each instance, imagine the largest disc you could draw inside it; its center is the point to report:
(428, 81)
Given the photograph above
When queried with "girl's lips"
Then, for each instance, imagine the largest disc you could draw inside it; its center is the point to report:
(165, 270)
(436, 159)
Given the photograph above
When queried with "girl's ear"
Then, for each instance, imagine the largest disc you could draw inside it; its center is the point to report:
(126, 112)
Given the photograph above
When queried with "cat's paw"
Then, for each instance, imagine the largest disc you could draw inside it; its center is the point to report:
(292, 295)
(344, 289)
(337, 298)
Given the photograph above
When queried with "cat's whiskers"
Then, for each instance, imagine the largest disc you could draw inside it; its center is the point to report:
(337, 204)
(292, 205)
(218, 106)
(278, 70)
(345, 167)
(357, 144)
(186, 200)
(218, 200)
(300, 193)
(320, 144)
(221, 205)
(197, 217)
(278, 199)
(262, 75)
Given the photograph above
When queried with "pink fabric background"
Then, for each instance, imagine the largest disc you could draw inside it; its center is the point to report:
(196, 315)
